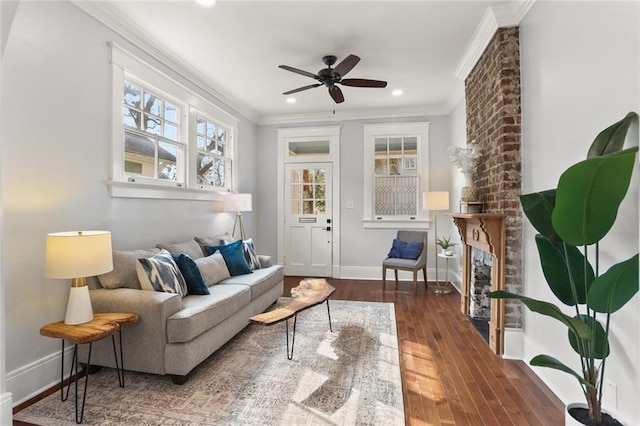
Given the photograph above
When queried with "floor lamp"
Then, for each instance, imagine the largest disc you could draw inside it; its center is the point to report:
(436, 200)
(238, 203)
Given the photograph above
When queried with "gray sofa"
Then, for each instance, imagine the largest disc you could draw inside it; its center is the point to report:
(174, 334)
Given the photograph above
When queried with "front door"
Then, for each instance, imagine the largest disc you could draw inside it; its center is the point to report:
(308, 222)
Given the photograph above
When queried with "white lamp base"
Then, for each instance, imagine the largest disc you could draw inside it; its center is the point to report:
(79, 308)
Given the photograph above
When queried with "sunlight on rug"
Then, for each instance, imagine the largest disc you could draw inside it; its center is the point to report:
(348, 377)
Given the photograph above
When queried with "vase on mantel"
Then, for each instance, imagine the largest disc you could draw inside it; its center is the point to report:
(468, 193)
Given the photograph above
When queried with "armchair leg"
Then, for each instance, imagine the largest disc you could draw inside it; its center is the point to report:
(384, 277)
(415, 282)
(395, 271)
(424, 273)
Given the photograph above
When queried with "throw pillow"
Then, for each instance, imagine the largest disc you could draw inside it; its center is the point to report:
(191, 248)
(249, 253)
(213, 268)
(403, 250)
(160, 273)
(196, 284)
(213, 241)
(124, 273)
(233, 255)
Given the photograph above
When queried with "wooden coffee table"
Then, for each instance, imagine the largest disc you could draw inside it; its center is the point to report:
(309, 293)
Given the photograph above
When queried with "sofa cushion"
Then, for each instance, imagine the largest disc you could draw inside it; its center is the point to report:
(261, 281)
(215, 240)
(201, 313)
(160, 273)
(250, 253)
(191, 248)
(213, 268)
(196, 284)
(233, 256)
(124, 269)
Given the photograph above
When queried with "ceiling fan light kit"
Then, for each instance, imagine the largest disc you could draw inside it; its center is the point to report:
(331, 77)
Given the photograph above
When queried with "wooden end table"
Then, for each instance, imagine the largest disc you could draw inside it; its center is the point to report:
(101, 326)
(310, 292)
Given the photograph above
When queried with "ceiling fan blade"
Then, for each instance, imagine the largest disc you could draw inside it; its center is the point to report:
(336, 94)
(362, 82)
(298, 71)
(300, 89)
(346, 65)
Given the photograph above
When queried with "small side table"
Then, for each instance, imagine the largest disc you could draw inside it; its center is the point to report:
(102, 325)
(444, 289)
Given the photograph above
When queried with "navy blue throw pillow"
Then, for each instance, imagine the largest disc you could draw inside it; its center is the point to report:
(233, 255)
(403, 250)
(196, 284)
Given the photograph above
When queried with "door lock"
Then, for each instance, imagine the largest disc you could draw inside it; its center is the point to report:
(328, 228)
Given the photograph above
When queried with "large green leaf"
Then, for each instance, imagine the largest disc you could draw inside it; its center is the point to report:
(551, 362)
(612, 138)
(548, 309)
(613, 289)
(559, 269)
(538, 207)
(589, 195)
(598, 348)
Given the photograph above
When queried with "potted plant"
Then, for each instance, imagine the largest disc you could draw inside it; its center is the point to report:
(571, 221)
(446, 245)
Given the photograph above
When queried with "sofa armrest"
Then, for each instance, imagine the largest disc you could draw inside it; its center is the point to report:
(265, 261)
(144, 341)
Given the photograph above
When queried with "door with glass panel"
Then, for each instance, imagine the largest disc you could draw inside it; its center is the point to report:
(308, 222)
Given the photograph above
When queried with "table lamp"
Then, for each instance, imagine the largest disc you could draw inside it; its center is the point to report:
(435, 200)
(237, 203)
(78, 255)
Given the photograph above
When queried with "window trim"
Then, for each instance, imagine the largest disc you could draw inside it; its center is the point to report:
(126, 66)
(372, 131)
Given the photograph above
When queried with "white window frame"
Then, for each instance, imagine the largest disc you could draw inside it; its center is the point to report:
(373, 131)
(126, 67)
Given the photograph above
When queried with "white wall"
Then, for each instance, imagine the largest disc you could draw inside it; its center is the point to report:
(362, 250)
(55, 164)
(580, 73)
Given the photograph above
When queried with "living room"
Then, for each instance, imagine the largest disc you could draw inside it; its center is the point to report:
(579, 65)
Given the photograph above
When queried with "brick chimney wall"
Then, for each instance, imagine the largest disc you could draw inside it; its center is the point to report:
(494, 123)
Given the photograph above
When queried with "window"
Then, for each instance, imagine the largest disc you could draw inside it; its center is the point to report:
(168, 142)
(395, 167)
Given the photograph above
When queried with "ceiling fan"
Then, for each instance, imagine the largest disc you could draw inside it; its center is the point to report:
(330, 77)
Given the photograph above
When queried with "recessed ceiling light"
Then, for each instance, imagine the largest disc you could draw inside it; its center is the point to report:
(291, 100)
(397, 92)
(206, 3)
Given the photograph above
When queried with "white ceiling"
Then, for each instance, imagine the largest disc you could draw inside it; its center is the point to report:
(236, 47)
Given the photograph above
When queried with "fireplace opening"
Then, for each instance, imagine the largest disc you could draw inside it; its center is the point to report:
(479, 301)
(482, 326)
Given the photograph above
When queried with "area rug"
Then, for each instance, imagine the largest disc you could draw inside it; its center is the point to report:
(350, 376)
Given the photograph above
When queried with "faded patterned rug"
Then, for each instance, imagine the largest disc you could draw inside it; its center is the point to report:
(348, 377)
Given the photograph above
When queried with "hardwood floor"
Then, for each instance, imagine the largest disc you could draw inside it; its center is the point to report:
(449, 374)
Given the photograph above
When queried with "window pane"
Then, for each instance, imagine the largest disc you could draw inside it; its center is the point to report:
(131, 95)
(296, 176)
(307, 191)
(201, 126)
(222, 134)
(320, 175)
(152, 125)
(295, 207)
(395, 166)
(210, 145)
(220, 166)
(171, 112)
(140, 150)
(221, 148)
(167, 161)
(307, 207)
(395, 146)
(380, 166)
(211, 130)
(380, 146)
(152, 104)
(205, 172)
(201, 143)
(296, 192)
(320, 207)
(411, 145)
(130, 117)
(171, 131)
(320, 192)
(307, 176)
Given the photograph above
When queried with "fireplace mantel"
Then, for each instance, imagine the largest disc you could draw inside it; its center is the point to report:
(484, 231)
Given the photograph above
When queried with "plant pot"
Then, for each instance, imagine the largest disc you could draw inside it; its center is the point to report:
(447, 252)
(582, 411)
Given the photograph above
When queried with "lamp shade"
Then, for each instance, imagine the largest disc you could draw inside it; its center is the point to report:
(435, 200)
(237, 202)
(78, 254)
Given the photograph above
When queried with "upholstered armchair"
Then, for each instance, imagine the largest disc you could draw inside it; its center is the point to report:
(407, 255)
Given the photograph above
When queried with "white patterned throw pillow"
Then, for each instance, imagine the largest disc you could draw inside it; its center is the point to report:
(160, 273)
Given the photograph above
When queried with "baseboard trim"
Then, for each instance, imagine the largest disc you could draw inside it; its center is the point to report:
(42, 374)
(375, 273)
(6, 409)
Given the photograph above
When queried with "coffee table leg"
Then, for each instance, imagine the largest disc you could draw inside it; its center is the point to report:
(329, 314)
(293, 338)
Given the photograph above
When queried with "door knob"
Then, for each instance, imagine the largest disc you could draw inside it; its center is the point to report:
(328, 228)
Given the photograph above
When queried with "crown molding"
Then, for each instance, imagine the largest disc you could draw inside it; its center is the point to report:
(125, 27)
(502, 15)
(363, 114)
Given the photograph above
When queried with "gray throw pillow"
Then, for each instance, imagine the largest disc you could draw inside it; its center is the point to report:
(213, 268)
(124, 273)
(188, 247)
